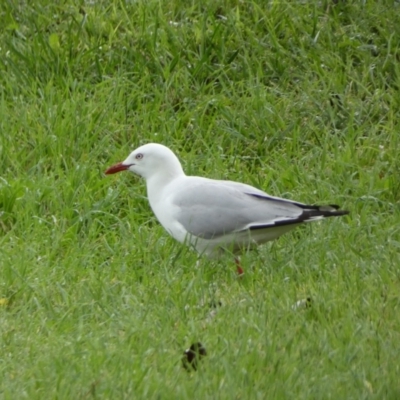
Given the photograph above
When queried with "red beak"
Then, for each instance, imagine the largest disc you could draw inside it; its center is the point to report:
(117, 168)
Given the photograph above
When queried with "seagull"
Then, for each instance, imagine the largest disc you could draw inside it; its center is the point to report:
(214, 216)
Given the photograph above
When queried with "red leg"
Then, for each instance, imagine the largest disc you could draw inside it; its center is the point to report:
(238, 267)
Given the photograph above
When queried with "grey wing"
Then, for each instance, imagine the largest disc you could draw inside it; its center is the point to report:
(209, 209)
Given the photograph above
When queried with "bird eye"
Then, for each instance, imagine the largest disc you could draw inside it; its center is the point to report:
(139, 156)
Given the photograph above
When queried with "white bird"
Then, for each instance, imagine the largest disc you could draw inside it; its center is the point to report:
(213, 215)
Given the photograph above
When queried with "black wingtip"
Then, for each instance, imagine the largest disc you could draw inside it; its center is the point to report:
(331, 210)
(342, 212)
(308, 215)
(328, 212)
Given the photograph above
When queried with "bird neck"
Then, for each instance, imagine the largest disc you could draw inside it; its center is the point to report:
(157, 182)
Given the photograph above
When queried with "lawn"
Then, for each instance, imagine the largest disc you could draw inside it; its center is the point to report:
(298, 98)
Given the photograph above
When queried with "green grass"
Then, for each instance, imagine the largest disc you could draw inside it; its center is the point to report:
(301, 99)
